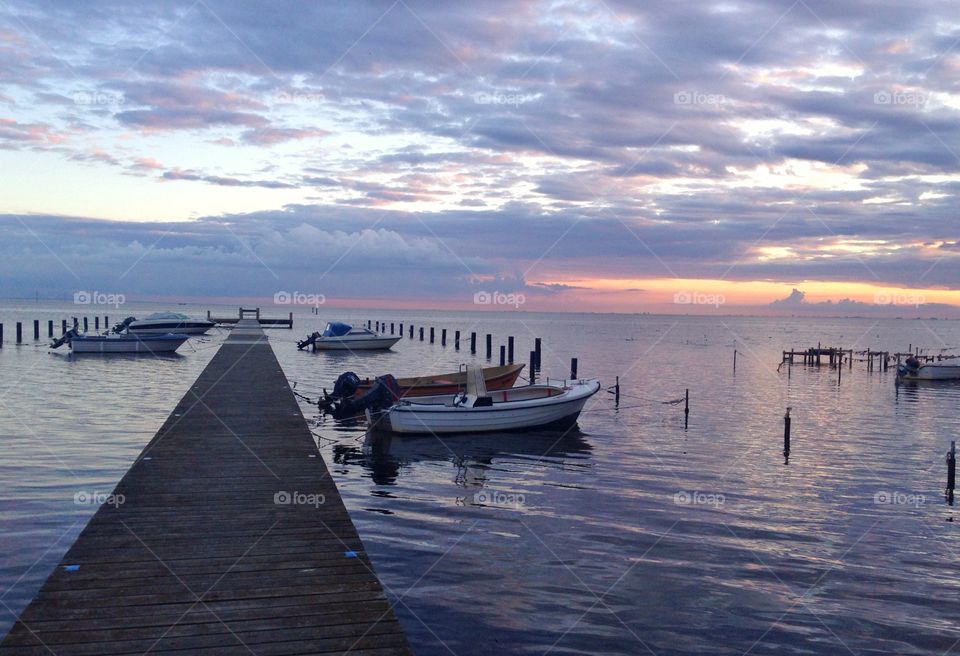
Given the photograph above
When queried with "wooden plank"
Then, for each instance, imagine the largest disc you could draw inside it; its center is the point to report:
(227, 531)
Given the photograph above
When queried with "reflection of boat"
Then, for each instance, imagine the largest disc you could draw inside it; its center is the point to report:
(912, 369)
(478, 410)
(343, 336)
(120, 343)
(495, 378)
(162, 323)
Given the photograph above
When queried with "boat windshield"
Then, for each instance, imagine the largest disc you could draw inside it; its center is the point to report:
(168, 315)
(336, 329)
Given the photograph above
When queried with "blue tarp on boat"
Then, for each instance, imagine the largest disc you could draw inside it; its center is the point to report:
(337, 329)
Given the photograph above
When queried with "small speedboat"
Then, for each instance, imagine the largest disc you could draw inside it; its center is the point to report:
(161, 323)
(344, 337)
(120, 342)
(478, 410)
(495, 378)
(913, 369)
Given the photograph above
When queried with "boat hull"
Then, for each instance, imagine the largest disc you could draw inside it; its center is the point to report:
(185, 328)
(365, 344)
(496, 378)
(131, 344)
(559, 411)
(943, 370)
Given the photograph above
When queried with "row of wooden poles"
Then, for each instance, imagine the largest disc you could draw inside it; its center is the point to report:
(835, 357)
(50, 323)
(506, 350)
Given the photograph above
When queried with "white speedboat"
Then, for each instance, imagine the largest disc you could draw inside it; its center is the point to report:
(120, 342)
(162, 323)
(344, 337)
(912, 369)
(517, 408)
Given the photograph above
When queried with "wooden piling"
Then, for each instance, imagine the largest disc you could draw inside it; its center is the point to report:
(36, 329)
(411, 331)
(489, 345)
(96, 322)
(391, 327)
(734, 360)
(951, 470)
(536, 348)
(50, 328)
(431, 334)
(421, 333)
(573, 368)
(456, 340)
(533, 370)
(1, 335)
(510, 349)
(686, 408)
(503, 355)
(86, 326)
(443, 337)
(19, 332)
(786, 432)
(473, 343)
(63, 325)
(616, 392)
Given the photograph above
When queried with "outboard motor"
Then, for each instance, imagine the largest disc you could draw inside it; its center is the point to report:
(382, 394)
(64, 338)
(309, 340)
(123, 325)
(908, 367)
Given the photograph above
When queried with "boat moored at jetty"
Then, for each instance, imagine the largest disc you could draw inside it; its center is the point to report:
(344, 337)
(120, 342)
(913, 369)
(161, 323)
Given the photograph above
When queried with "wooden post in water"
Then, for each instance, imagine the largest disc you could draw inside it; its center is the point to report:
(489, 345)
(36, 329)
(734, 360)
(96, 323)
(401, 330)
(1, 335)
(510, 349)
(411, 331)
(686, 408)
(786, 432)
(573, 368)
(431, 334)
(106, 321)
(443, 337)
(616, 392)
(456, 340)
(19, 332)
(50, 328)
(951, 470)
(63, 325)
(473, 343)
(391, 327)
(503, 355)
(369, 324)
(421, 333)
(536, 348)
(86, 326)
(533, 371)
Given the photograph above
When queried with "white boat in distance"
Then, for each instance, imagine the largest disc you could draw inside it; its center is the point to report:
(120, 342)
(344, 337)
(161, 323)
(476, 411)
(912, 369)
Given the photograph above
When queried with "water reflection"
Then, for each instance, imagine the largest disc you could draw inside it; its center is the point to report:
(383, 455)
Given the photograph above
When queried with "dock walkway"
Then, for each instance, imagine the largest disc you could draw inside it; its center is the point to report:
(226, 536)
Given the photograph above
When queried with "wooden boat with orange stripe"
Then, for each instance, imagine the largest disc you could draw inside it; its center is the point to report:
(495, 378)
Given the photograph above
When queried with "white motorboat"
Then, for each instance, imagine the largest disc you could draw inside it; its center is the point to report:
(344, 337)
(912, 369)
(120, 342)
(517, 408)
(162, 323)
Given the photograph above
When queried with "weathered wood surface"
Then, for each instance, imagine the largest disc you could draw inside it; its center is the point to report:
(203, 556)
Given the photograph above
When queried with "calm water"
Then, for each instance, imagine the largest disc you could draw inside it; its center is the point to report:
(630, 535)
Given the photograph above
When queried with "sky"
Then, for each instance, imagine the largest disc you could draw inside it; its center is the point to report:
(661, 156)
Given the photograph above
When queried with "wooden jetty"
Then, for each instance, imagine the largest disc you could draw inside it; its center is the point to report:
(226, 536)
(254, 314)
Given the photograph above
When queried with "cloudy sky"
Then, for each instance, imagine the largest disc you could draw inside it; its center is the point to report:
(601, 155)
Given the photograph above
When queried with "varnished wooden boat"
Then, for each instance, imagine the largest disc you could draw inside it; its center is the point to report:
(495, 378)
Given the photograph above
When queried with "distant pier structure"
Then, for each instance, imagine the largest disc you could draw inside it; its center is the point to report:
(253, 313)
